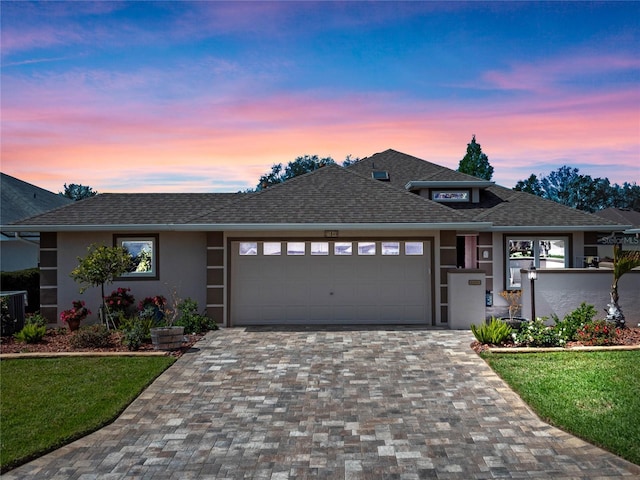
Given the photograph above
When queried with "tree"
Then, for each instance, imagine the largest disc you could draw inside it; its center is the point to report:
(623, 262)
(301, 165)
(102, 265)
(75, 191)
(567, 186)
(475, 162)
(530, 185)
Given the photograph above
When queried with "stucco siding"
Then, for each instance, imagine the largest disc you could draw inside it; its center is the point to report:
(182, 267)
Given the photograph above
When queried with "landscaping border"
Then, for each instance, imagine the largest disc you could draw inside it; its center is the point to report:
(560, 349)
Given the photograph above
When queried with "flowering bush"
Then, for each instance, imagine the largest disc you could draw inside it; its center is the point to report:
(120, 300)
(598, 332)
(537, 334)
(153, 307)
(78, 312)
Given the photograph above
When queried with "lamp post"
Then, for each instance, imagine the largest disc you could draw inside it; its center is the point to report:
(533, 276)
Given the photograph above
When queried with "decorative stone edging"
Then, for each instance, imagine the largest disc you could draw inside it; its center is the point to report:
(13, 356)
(561, 349)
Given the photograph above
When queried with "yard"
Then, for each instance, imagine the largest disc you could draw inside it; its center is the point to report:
(49, 402)
(594, 395)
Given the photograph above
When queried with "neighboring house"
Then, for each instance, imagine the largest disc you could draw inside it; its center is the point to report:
(21, 200)
(630, 238)
(375, 243)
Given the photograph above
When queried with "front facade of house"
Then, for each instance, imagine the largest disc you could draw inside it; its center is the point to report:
(373, 243)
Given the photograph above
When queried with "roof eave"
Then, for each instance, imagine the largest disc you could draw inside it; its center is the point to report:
(559, 228)
(413, 184)
(254, 226)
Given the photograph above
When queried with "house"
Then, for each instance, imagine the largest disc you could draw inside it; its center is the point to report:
(21, 200)
(390, 239)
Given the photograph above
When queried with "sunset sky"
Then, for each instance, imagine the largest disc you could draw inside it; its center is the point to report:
(205, 96)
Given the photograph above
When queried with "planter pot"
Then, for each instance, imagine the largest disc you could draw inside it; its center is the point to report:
(167, 338)
(515, 322)
(73, 324)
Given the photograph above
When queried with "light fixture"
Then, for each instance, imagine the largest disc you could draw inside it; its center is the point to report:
(533, 276)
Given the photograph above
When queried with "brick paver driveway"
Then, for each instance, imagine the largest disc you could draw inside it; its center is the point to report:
(329, 403)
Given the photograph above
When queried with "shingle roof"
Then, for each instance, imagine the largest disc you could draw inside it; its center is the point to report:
(524, 209)
(332, 194)
(404, 168)
(134, 209)
(19, 199)
(621, 216)
(499, 205)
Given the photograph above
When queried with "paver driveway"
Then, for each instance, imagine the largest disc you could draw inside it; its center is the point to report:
(337, 403)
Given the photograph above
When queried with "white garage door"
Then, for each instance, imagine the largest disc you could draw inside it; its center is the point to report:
(337, 282)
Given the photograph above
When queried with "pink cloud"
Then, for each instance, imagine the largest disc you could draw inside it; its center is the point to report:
(544, 76)
(71, 122)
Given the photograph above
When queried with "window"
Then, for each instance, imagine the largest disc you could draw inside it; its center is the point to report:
(272, 248)
(413, 248)
(366, 248)
(248, 248)
(461, 196)
(144, 252)
(342, 248)
(381, 175)
(319, 248)
(296, 248)
(543, 252)
(390, 248)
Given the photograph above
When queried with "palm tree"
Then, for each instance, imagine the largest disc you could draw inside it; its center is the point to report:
(623, 262)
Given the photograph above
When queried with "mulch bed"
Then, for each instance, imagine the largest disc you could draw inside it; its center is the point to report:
(58, 340)
(628, 337)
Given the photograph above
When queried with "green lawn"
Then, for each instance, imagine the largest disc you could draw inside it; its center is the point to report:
(46, 403)
(593, 395)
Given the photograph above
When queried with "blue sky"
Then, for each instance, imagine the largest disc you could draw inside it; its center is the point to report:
(206, 96)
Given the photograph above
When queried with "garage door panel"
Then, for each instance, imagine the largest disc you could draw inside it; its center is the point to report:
(329, 289)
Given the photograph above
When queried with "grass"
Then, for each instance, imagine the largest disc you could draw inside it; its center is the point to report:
(594, 395)
(47, 403)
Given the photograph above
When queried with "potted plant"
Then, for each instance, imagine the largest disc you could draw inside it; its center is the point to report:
(74, 316)
(165, 336)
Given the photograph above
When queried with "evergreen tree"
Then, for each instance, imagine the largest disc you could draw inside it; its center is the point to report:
(475, 162)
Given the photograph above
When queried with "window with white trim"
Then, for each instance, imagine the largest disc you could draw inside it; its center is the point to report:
(542, 252)
(366, 248)
(319, 248)
(272, 248)
(413, 248)
(296, 248)
(248, 248)
(390, 248)
(342, 248)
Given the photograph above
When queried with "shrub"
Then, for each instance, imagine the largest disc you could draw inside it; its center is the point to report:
(598, 332)
(537, 334)
(567, 328)
(31, 333)
(120, 300)
(154, 308)
(495, 332)
(92, 336)
(191, 320)
(36, 319)
(136, 331)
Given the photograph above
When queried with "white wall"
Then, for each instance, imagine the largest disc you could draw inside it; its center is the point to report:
(183, 266)
(562, 291)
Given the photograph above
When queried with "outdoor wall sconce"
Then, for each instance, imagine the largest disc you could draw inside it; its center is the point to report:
(533, 276)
